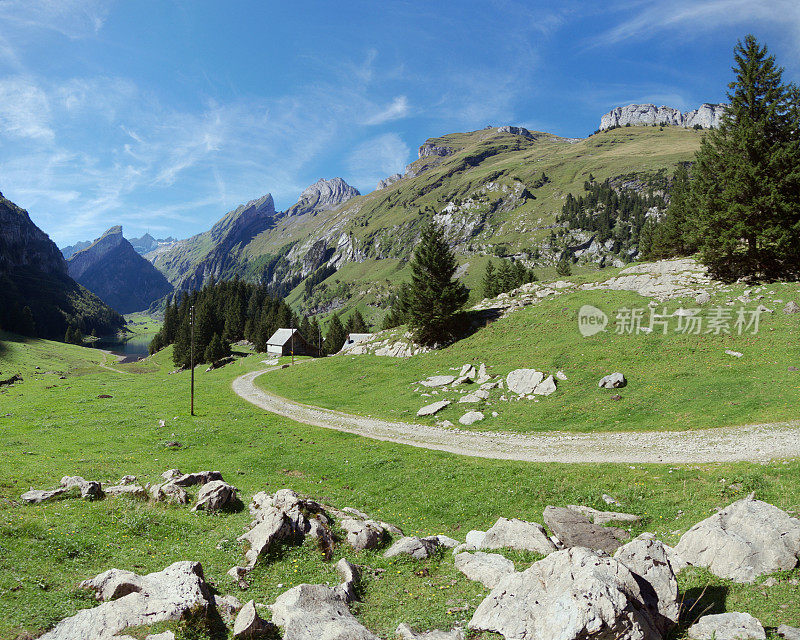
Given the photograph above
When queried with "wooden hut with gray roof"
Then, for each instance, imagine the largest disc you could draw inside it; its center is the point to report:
(284, 342)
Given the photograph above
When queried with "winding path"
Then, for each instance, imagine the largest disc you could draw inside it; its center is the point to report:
(756, 443)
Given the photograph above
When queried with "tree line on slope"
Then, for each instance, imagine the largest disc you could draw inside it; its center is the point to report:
(226, 312)
(739, 206)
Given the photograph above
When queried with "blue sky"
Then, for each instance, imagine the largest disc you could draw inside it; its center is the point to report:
(162, 115)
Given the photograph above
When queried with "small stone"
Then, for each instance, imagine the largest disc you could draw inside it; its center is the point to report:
(735, 354)
(471, 417)
(791, 307)
(612, 381)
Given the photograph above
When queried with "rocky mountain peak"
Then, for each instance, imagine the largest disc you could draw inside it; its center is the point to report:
(83, 260)
(23, 244)
(323, 195)
(707, 116)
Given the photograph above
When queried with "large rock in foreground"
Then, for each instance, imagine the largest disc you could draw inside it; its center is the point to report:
(745, 540)
(517, 534)
(132, 600)
(576, 530)
(317, 612)
(727, 626)
(486, 568)
(570, 595)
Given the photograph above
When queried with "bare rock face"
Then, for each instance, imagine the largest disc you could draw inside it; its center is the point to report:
(323, 195)
(486, 568)
(573, 594)
(727, 626)
(747, 539)
(131, 600)
(317, 612)
(388, 182)
(516, 534)
(708, 116)
(215, 495)
(648, 559)
(517, 131)
(576, 530)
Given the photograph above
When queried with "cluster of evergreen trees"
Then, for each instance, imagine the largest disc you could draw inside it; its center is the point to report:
(510, 275)
(337, 332)
(611, 213)
(223, 313)
(740, 206)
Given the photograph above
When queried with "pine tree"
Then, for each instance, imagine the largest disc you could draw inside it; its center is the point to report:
(356, 323)
(434, 297)
(674, 235)
(216, 350)
(489, 281)
(334, 341)
(746, 181)
(563, 267)
(504, 277)
(77, 337)
(69, 336)
(314, 333)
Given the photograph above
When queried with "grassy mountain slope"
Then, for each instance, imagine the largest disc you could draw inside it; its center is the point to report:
(49, 548)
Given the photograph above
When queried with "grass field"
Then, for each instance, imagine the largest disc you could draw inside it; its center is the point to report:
(52, 427)
(675, 381)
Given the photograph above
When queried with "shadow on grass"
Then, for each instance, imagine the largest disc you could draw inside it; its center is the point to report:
(702, 601)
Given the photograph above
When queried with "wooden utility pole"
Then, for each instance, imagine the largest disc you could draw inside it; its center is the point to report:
(291, 324)
(191, 360)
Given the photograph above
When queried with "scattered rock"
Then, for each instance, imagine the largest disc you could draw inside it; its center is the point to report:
(227, 607)
(762, 309)
(215, 495)
(727, 626)
(545, 387)
(702, 298)
(468, 371)
(471, 417)
(438, 381)
(201, 477)
(471, 398)
(249, 624)
(735, 354)
(131, 600)
(612, 381)
(350, 577)
(486, 568)
(561, 375)
(417, 548)
(787, 632)
(475, 539)
(745, 540)
(516, 534)
(362, 534)
(35, 496)
(444, 541)
(316, 612)
(523, 381)
(611, 500)
(172, 474)
(576, 530)
(649, 560)
(126, 480)
(791, 307)
(429, 410)
(570, 595)
(130, 490)
(90, 489)
(169, 492)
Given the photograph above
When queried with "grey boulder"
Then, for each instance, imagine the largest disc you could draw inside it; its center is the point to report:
(201, 477)
(516, 534)
(789, 633)
(486, 568)
(215, 495)
(404, 632)
(438, 381)
(317, 612)
(612, 381)
(169, 492)
(417, 548)
(747, 539)
(603, 517)
(363, 534)
(523, 381)
(727, 626)
(573, 594)
(90, 489)
(648, 559)
(249, 624)
(131, 600)
(431, 409)
(35, 496)
(471, 417)
(576, 530)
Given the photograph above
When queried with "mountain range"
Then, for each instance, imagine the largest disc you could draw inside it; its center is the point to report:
(497, 191)
(112, 269)
(39, 296)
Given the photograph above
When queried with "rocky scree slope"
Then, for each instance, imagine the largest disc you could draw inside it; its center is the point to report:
(33, 274)
(111, 268)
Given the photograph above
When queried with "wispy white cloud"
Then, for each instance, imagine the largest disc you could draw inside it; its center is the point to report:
(399, 108)
(376, 158)
(71, 18)
(698, 16)
(24, 110)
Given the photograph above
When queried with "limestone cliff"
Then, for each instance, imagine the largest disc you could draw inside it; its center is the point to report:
(323, 195)
(707, 116)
